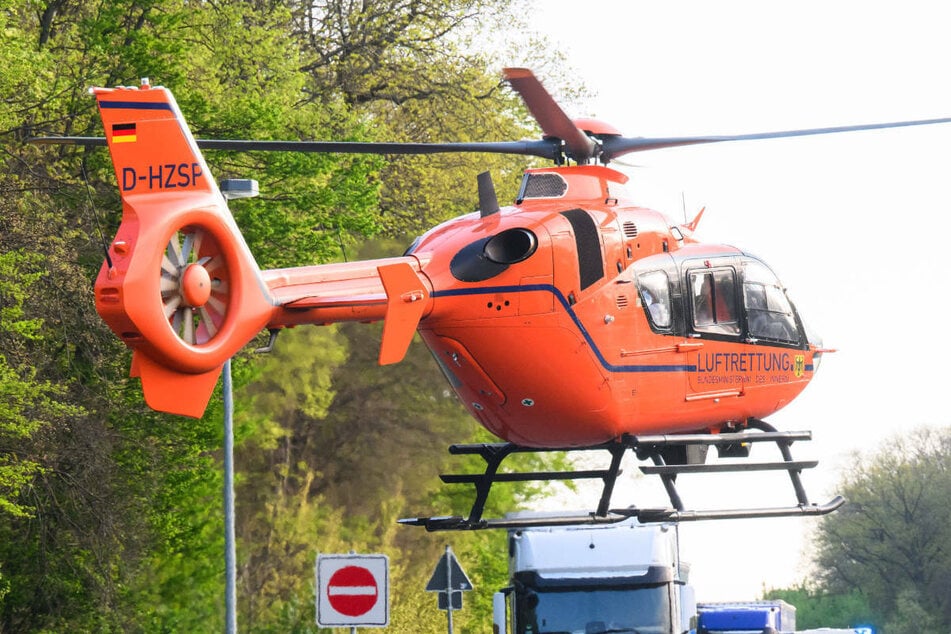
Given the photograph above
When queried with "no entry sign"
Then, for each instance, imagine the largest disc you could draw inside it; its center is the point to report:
(352, 590)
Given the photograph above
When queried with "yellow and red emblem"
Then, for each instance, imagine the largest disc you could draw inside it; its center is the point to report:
(800, 366)
(123, 133)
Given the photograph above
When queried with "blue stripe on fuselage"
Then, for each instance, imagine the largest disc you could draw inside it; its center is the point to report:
(548, 288)
(135, 105)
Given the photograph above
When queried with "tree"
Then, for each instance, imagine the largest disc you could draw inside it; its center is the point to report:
(421, 72)
(111, 515)
(26, 403)
(892, 542)
(817, 608)
(112, 526)
(337, 449)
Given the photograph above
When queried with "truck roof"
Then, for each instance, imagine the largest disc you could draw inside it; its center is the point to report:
(626, 549)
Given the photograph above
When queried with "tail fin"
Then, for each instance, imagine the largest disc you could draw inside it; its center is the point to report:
(688, 229)
(696, 220)
(180, 286)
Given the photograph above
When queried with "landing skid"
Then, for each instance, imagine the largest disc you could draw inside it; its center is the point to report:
(671, 455)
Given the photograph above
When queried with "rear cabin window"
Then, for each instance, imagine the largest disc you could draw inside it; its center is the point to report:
(768, 311)
(713, 294)
(654, 289)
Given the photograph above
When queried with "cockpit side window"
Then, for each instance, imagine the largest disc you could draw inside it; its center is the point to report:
(713, 294)
(769, 313)
(654, 291)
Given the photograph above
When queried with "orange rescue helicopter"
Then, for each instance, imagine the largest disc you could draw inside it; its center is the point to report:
(573, 318)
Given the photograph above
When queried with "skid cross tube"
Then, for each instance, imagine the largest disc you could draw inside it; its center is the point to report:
(494, 453)
(656, 448)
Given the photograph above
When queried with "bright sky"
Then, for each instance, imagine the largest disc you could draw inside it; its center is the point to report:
(853, 224)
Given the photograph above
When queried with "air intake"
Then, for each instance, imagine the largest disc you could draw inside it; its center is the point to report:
(543, 185)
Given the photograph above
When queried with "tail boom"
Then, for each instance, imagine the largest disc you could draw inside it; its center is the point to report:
(393, 290)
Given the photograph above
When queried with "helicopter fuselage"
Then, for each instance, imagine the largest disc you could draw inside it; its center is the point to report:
(568, 319)
(572, 318)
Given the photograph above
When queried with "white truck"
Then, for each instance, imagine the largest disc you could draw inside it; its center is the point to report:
(595, 579)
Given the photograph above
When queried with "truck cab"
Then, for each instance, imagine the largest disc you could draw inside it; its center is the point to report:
(595, 579)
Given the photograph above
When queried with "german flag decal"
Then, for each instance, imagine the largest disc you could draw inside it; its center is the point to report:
(123, 133)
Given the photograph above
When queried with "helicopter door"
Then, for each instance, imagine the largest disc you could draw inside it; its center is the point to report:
(714, 309)
(714, 327)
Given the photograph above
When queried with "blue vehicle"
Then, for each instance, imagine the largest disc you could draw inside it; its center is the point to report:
(746, 617)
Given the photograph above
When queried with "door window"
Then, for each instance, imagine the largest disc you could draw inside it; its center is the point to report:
(713, 293)
(654, 292)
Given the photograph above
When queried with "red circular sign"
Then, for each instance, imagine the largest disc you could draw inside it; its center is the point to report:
(352, 591)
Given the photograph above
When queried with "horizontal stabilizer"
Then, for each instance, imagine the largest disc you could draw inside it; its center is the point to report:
(406, 297)
(392, 290)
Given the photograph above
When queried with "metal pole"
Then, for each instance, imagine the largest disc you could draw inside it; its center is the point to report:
(449, 587)
(231, 623)
(353, 628)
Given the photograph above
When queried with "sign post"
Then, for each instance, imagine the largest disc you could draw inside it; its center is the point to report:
(231, 601)
(449, 580)
(231, 189)
(353, 591)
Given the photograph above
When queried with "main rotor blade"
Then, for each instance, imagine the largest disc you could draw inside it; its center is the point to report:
(546, 148)
(612, 146)
(550, 116)
(619, 146)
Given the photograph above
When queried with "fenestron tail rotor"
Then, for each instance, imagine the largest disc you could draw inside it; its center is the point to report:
(194, 285)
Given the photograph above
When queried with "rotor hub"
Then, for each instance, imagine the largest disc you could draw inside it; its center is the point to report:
(196, 285)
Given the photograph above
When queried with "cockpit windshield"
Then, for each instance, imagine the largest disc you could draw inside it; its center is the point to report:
(768, 310)
(639, 610)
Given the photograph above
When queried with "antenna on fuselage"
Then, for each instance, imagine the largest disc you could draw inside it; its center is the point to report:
(488, 201)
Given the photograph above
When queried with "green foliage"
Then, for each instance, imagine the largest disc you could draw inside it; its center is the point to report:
(295, 378)
(339, 450)
(911, 617)
(26, 403)
(891, 542)
(419, 72)
(110, 514)
(816, 608)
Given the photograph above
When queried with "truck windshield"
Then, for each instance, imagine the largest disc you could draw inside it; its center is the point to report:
(642, 610)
